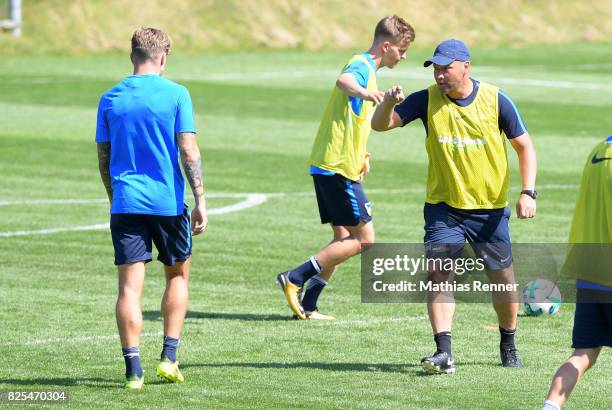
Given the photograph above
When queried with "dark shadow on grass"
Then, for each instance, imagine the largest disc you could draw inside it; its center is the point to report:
(338, 367)
(94, 382)
(155, 315)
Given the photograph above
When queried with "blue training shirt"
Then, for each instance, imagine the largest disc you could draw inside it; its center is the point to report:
(510, 121)
(140, 117)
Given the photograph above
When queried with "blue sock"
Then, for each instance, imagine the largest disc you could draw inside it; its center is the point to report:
(169, 350)
(315, 287)
(131, 355)
(304, 272)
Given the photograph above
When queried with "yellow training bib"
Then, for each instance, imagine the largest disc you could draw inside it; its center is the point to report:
(468, 163)
(340, 144)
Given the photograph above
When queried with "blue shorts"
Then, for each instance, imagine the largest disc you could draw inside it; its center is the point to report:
(342, 202)
(447, 229)
(592, 323)
(133, 235)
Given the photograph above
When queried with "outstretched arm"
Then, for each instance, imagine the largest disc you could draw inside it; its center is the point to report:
(104, 167)
(526, 206)
(385, 117)
(192, 165)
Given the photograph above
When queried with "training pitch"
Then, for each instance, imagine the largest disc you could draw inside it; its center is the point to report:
(257, 114)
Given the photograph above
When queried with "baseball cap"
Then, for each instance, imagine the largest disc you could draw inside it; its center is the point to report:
(448, 51)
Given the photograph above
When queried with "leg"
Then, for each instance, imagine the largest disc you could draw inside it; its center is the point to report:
(506, 306)
(318, 282)
(440, 305)
(338, 251)
(342, 203)
(174, 308)
(505, 303)
(340, 233)
(128, 312)
(129, 320)
(176, 298)
(569, 373)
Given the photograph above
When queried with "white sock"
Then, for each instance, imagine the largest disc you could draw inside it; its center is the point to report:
(551, 405)
(315, 263)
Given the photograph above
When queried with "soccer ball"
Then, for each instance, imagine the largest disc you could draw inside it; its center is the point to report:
(541, 297)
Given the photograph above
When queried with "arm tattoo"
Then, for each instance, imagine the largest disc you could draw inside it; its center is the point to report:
(193, 172)
(104, 167)
(192, 164)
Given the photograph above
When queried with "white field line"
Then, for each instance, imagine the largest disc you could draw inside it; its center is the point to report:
(402, 74)
(79, 339)
(531, 82)
(95, 338)
(252, 200)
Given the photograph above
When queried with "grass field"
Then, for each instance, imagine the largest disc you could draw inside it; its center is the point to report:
(256, 115)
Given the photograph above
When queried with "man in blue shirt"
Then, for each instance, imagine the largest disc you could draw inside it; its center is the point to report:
(143, 123)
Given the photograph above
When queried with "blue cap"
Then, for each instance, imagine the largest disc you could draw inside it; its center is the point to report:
(448, 51)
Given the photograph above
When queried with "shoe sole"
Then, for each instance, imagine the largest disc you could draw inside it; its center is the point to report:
(281, 281)
(431, 368)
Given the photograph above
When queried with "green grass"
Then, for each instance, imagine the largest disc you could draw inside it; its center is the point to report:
(255, 131)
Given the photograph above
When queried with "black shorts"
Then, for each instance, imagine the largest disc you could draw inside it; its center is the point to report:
(487, 231)
(592, 324)
(342, 202)
(133, 235)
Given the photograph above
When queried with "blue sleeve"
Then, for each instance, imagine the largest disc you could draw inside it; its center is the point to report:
(360, 71)
(102, 131)
(510, 121)
(184, 115)
(413, 107)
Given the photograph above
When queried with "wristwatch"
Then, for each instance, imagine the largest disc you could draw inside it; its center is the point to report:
(532, 193)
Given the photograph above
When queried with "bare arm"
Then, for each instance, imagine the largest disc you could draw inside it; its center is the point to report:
(104, 167)
(347, 83)
(192, 165)
(523, 145)
(385, 117)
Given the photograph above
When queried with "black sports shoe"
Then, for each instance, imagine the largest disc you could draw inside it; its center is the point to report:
(438, 363)
(510, 358)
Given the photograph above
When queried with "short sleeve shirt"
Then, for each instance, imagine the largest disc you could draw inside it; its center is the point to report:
(140, 117)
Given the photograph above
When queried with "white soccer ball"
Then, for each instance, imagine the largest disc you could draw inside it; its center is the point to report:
(541, 297)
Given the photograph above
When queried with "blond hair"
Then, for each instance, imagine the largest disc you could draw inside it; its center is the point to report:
(395, 29)
(149, 43)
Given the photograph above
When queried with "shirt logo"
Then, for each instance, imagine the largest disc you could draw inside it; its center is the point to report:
(462, 143)
(595, 160)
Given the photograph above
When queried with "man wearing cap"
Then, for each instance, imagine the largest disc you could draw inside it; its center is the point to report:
(467, 184)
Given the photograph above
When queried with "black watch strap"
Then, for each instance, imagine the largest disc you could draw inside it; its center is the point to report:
(531, 193)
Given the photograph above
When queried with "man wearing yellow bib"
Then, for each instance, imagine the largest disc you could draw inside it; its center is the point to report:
(589, 259)
(467, 184)
(338, 163)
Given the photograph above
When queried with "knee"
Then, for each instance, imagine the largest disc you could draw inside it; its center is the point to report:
(367, 238)
(355, 246)
(131, 291)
